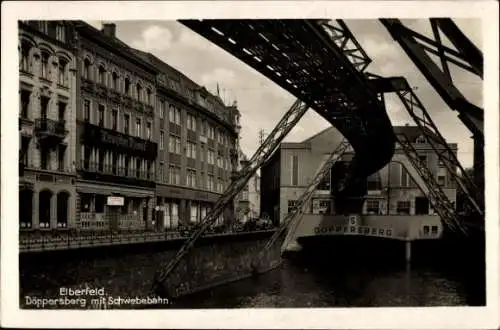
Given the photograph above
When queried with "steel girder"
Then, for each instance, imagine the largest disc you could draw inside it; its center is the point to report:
(299, 55)
(436, 195)
(285, 125)
(468, 57)
(291, 219)
(420, 115)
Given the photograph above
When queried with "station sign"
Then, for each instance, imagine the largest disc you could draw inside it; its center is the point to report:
(115, 201)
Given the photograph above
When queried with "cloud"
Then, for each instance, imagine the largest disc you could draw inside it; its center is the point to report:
(154, 38)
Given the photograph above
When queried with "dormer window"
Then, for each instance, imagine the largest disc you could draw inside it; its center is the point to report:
(60, 33)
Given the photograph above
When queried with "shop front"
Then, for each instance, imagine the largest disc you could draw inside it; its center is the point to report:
(104, 207)
(180, 207)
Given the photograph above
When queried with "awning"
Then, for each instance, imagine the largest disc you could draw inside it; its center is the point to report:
(113, 190)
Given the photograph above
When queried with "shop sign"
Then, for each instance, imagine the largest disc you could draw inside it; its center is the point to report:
(115, 201)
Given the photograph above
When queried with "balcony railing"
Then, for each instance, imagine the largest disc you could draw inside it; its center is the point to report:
(116, 170)
(45, 127)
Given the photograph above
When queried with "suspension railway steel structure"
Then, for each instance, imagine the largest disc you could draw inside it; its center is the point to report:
(323, 66)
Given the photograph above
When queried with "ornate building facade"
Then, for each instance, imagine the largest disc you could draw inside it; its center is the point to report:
(47, 99)
(115, 149)
(114, 138)
(197, 138)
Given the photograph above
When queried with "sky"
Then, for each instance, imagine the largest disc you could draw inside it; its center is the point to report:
(262, 103)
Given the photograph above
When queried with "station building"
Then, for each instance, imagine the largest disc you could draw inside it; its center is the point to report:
(47, 119)
(390, 191)
(115, 148)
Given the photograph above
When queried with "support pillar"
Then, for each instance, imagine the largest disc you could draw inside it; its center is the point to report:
(408, 251)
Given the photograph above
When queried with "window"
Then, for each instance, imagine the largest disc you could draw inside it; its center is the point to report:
(138, 127)
(25, 103)
(62, 111)
(86, 110)
(44, 159)
(219, 162)
(441, 180)
(191, 178)
(127, 86)
(174, 145)
(426, 230)
(220, 188)
(325, 183)
(148, 131)
(203, 128)
(62, 72)
(175, 115)
(60, 33)
(211, 157)
(86, 69)
(139, 92)
(210, 183)
(102, 75)
(211, 132)
(44, 103)
(194, 213)
(126, 124)
(60, 157)
(114, 81)
(175, 175)
(127, 164)
(441, 163)
(423, 159)
(162, 109)
(295, 170)
(403, 207)
(101, 115)
(421, 140)
(45, 65)
(292, 205)
(405, 177)
(25, 55)
(372, 206)
(191, 150)
(150, 96)
(191, 122)
(162, 140)
(434, 230)
(114, 119)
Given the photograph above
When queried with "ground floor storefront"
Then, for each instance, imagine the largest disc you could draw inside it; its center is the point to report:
(133, 211)
(178, 206)
(46, 200)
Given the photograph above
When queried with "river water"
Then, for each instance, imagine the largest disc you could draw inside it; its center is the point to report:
(299, 283)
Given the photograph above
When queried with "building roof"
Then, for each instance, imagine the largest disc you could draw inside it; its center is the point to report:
(167, 68)
(411, 132)
(124, 49)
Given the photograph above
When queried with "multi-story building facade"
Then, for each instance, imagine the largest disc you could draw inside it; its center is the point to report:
(47, 93)
(392, 190)
(248, 200)
(197, 138)
(115, 147)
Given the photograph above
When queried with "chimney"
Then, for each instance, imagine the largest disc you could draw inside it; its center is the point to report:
(109, 29)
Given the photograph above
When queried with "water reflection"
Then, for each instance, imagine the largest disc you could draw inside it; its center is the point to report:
(297, 284)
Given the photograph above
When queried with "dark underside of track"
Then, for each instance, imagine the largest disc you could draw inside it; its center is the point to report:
(301, 58)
